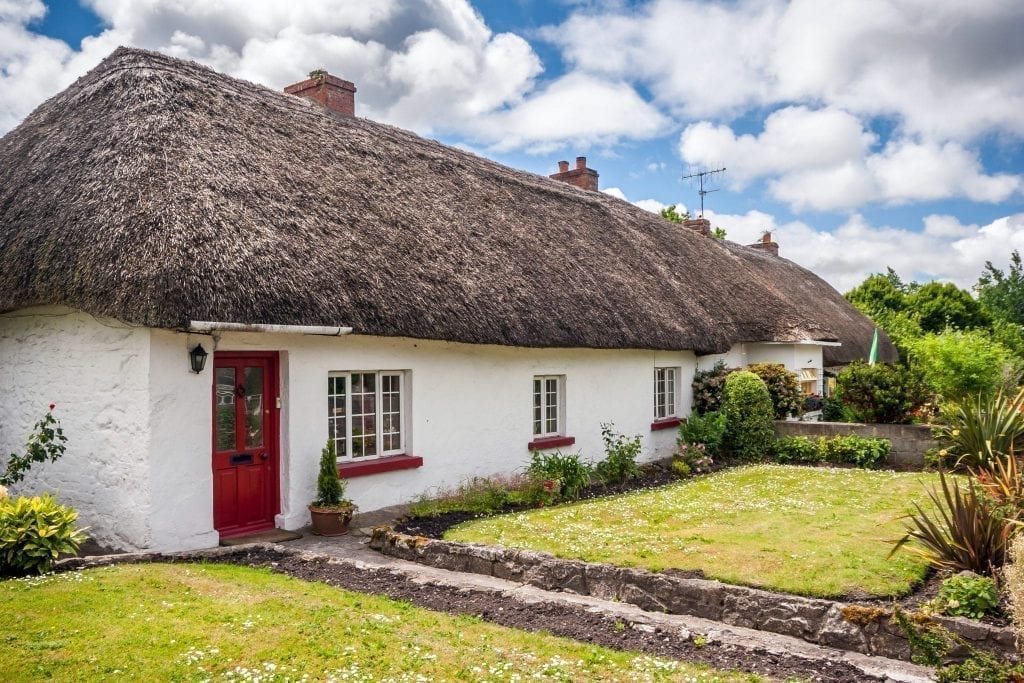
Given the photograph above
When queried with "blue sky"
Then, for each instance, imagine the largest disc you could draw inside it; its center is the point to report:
(862, 133)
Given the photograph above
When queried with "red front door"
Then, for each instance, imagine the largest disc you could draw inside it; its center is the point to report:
(245, 438)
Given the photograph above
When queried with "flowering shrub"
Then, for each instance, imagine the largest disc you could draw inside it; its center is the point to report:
(783, 388)
(708, 388)
(45, 442)
(691, 458)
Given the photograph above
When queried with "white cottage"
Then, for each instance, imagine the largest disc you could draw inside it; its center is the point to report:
(437, 314)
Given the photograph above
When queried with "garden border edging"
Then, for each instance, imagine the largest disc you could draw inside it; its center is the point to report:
(823, 622)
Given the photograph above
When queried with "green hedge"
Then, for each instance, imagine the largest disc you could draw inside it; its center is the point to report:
(865, 452)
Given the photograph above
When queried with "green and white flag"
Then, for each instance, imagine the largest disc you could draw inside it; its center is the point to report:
(873, 355)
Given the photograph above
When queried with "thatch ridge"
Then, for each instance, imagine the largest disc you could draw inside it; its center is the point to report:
(157, 191)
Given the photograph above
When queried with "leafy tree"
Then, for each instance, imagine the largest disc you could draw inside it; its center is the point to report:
(669, 213)
(879, 294)
(957, 364)
(1002, 294)
(939, 305)
(718, 233)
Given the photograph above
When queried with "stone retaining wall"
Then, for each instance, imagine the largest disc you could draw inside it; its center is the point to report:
(824, 622)
(909, 442)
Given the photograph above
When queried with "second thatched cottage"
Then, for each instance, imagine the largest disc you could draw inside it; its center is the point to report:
(437, 314)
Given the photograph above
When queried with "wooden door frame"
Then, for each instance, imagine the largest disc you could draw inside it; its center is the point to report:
(274, 390)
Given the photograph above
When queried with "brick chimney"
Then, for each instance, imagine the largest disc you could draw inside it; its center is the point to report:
(581, 176)
(766, 244)
(701, 225)
(327, 90)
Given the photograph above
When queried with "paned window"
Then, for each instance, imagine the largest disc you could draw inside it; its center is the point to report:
(365, 414)
(665, 392)
(809, 381)
(547, 405)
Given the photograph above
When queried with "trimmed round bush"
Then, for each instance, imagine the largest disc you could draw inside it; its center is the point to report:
(748, 416)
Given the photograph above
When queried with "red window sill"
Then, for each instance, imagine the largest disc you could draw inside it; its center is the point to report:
(391, 463)
(667, 423)
(550, 442)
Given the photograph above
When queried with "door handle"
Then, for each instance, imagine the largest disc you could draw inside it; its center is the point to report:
(264, 456)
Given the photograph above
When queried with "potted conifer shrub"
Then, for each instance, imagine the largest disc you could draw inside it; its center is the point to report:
(331, 511)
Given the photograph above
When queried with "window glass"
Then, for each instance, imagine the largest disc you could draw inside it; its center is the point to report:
(253, 407)
(547, 394)
(225, 427)
(664, 392)
(364, 413)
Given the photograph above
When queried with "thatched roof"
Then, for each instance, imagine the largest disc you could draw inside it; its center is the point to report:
(157, 191)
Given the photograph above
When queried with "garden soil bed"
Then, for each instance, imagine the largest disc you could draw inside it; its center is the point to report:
(568, 621)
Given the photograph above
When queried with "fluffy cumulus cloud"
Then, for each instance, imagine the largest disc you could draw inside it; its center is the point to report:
(826, 159)
(942, 248)
(430, 65)
(945, 68)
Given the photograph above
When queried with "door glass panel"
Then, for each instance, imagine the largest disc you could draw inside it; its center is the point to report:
(253, 407)
(225, 409)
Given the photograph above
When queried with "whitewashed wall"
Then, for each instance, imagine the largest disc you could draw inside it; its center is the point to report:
(97, 372)
(469, 407)
(138, 466)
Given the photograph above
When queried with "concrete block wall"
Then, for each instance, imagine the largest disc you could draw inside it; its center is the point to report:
(909, 442)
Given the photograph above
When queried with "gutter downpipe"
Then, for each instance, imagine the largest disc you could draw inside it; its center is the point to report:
(210, 327)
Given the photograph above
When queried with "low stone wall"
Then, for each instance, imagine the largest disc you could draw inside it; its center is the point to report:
(909, 442)
(825, 622)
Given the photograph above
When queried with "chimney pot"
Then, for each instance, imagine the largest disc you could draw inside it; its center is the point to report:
(581, 176)
(766, 238)
(327, 90)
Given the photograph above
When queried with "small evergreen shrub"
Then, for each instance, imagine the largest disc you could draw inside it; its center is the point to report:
(783, 388)
(569, 474)
(967, 595)
(881, 393)
(33, 532)
(833, 410)
(749, 434)
(707, 429)
(330, 489)
(708, 388)
(621, 453)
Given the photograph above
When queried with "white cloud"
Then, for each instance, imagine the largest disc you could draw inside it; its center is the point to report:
(945, 249)
(945, 69)
(823, 159)
(430, 65)
(652, 205)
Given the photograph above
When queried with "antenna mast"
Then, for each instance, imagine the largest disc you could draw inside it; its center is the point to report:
(700, 176)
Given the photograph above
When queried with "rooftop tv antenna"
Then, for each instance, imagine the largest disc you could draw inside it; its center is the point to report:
(700, 176)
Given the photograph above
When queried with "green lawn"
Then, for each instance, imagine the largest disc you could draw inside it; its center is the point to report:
(227, 623)
(804, 530)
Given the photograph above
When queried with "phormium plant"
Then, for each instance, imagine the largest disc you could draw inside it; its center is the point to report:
(568, 473)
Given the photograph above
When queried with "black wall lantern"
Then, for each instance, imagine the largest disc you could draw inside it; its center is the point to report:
(198, 358)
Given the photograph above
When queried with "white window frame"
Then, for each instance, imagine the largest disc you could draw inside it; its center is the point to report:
(666, 396)
(345, 450)
(542, 402)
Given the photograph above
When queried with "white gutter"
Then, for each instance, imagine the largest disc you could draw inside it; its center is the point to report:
(206, 327)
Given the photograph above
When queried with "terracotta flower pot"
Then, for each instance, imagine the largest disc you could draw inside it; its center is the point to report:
(331, 521)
